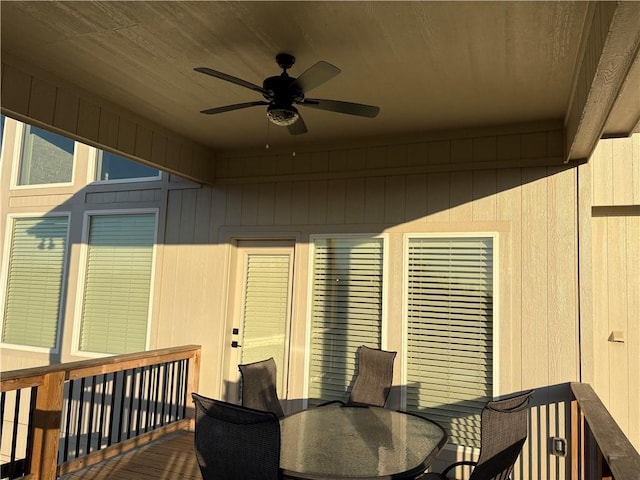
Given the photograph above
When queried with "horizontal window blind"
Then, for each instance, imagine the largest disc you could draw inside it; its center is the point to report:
(265, 311)
(34, 283)
(117, 283)
(450, 324)
(346, 311)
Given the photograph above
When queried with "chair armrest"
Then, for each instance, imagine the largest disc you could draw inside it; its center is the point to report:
(458, 464)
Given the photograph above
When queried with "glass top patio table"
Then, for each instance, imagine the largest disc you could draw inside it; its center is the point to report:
(338, 442)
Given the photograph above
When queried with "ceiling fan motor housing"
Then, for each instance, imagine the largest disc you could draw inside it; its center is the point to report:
(282, 88)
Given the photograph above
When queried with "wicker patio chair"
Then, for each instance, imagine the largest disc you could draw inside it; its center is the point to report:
(259, 386)
(234, 442)
(503, 431)
(375, 377)
(373, 381)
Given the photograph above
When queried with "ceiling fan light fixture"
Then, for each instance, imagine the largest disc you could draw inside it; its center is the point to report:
(283, 115)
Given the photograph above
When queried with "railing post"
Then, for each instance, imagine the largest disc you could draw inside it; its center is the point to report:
(576, 440)
(193, 381)
(46, 426)
(592, 455)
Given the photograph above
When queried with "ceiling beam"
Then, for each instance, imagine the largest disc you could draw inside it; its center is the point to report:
(605, 78)
(625, 116)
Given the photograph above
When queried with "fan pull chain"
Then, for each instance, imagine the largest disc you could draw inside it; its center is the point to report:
(294, 146)
(267, 144)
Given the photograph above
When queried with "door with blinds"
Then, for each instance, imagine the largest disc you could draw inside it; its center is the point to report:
(260, 311)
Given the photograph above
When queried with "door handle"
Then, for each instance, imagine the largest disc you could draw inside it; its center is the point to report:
(235, 344)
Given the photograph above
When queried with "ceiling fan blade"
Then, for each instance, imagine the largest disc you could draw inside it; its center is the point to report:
(232, 79)
(349, 108)
(316, 75)
(298, 128)
(235, 106)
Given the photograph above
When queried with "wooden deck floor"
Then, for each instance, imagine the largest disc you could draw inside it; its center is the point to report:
(170, 458)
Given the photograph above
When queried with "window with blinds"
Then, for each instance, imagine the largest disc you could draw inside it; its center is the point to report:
(266, 310)
(346, 311)
(117, 288)
(449, 304)
(34, 281)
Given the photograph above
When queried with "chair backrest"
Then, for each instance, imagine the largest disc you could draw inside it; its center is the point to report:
(259, 386)
(374, 379)
(236, 443)
(503, 431)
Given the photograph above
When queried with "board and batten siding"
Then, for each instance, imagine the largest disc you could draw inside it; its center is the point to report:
(72, 200)
(441, 186)
(510, 182)
(615, 175)
(615, 282)
(44, 101)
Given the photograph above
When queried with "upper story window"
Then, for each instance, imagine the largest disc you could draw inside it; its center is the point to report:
(110, 167)
(47, 158)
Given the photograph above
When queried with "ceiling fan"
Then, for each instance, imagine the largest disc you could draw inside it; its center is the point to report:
(281, 92)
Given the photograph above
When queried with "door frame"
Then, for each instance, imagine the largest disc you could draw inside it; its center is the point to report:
(230, 375)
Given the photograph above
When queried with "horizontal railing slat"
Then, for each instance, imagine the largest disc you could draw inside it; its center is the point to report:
(9, 384)
(103, 365)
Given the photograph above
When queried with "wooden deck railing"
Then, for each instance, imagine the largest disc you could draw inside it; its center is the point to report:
(600, 449)
(69, 416)
(61, 418)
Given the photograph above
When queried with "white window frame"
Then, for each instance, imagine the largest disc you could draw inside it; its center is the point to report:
(92, 171)
(385, 286)
(82, 271)
(20, 132)
(10, 223)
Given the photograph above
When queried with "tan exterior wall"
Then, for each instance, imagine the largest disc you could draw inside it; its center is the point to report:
(615, 174)
(534, 210)
(75, 199)
(615, 257)
(531, 210)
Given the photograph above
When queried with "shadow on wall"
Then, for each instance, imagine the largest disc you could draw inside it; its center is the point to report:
(207, 215)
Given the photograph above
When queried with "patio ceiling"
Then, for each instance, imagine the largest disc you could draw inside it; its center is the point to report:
(429, 66)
